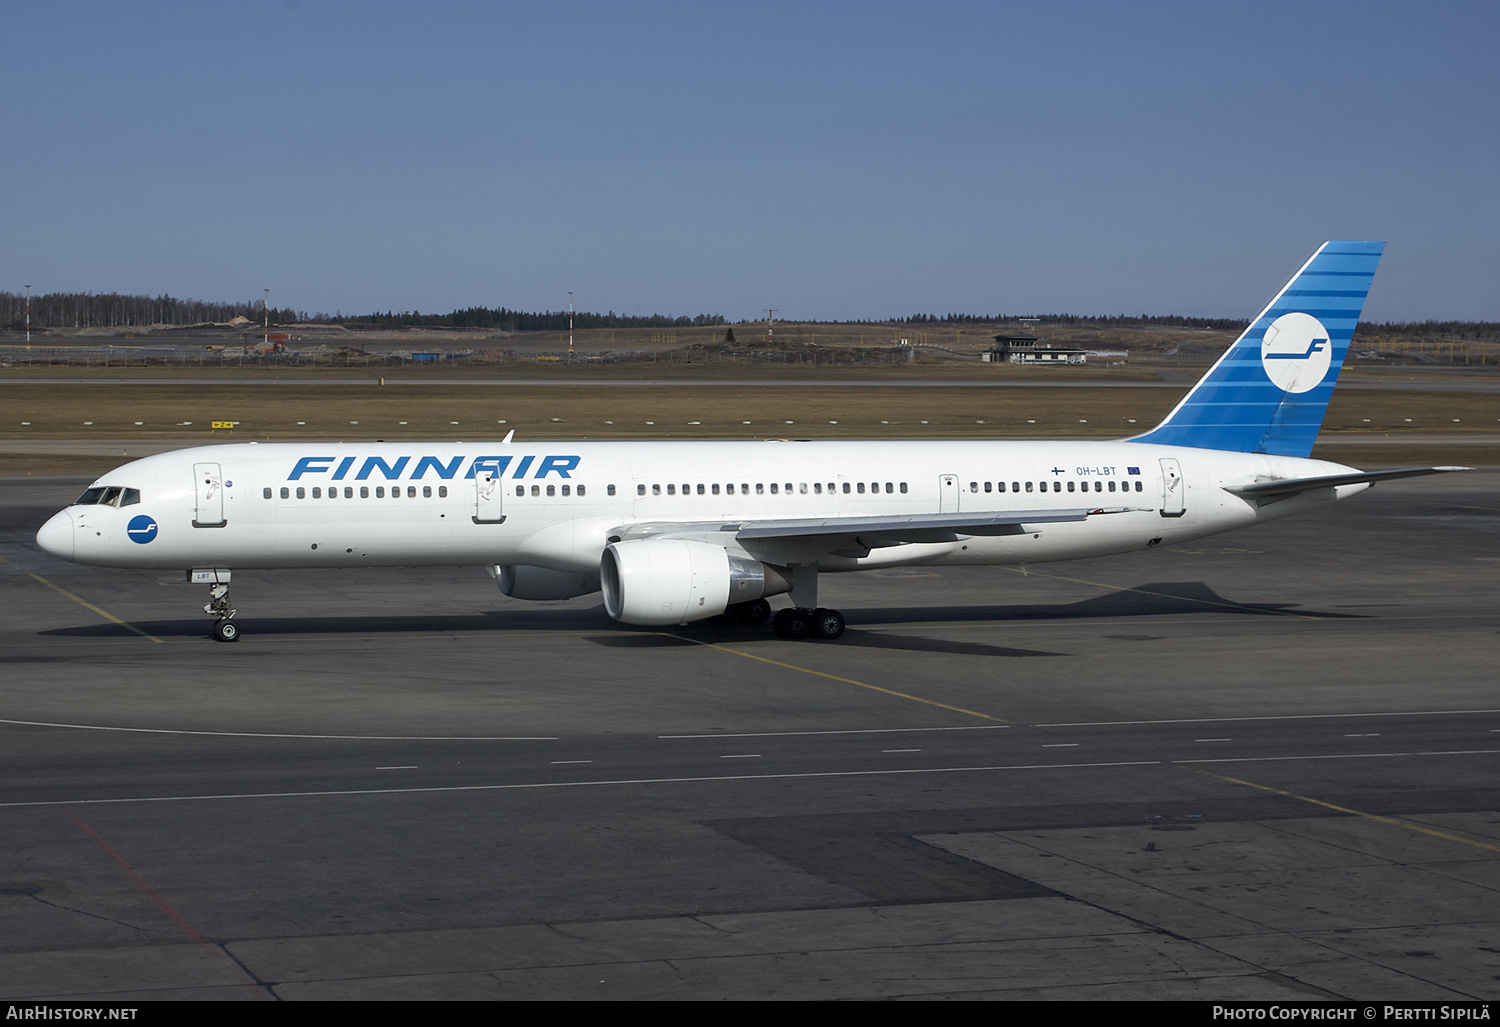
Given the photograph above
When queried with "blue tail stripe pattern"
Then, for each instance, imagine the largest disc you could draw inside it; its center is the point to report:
(1268, 393)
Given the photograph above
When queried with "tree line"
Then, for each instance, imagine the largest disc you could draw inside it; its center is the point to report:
(118, 310)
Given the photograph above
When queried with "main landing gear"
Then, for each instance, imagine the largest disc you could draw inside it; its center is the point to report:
(796, 624)
(225, 629)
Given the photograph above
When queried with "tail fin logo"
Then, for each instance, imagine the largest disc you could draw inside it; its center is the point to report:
(1296, 352)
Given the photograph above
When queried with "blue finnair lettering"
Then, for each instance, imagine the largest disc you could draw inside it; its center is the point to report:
(437, 465)
(309, 465)
(561, 464)
(1315, 346)
(495, 465)
(386, 469)
(445, 468)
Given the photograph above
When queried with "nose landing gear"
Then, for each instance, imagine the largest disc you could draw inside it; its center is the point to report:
(225, 629)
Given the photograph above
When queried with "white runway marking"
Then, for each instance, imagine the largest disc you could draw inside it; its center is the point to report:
(726, 778)
(272, 734)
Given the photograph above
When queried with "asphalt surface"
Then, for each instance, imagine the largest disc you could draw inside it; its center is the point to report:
(1264, 765)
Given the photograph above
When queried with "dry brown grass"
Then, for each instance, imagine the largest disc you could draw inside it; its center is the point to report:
(60, 410)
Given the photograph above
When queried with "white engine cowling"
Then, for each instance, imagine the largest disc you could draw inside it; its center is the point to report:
(659, 581)
(526, 582)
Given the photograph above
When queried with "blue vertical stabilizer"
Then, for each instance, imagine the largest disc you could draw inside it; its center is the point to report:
(1269, 392)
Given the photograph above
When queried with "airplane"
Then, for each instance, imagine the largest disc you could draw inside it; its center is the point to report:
(676, 532)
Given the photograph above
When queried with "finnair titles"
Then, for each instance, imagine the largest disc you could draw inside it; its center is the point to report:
(675, 532)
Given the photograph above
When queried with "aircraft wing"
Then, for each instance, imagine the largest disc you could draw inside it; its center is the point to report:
(1292, 486)
(830, 533)
(918, 527)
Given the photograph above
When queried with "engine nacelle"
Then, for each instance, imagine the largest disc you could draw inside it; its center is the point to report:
(660, 581)
(526, 582)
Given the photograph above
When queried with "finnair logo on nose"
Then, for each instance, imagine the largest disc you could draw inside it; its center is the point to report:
(141, 529)
(1296, 352)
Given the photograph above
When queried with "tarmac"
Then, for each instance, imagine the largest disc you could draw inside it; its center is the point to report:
(1265, 765)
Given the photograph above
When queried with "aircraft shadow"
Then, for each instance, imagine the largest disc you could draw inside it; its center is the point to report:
(1150, 600)
(1155, 599)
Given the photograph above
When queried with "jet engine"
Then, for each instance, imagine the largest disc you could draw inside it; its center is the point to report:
(526, 582)
(660, 581)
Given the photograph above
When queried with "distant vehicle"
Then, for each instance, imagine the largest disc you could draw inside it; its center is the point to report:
(674, 532)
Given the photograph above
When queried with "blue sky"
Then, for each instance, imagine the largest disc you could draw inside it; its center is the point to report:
(829, 160)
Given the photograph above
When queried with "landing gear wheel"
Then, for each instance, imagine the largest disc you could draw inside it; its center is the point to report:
(756, 611)
(226, 631)
(793, 625)
(827, 624)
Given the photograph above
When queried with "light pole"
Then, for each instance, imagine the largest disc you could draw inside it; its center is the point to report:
(570, 322)
(28, 317)
(266, 310)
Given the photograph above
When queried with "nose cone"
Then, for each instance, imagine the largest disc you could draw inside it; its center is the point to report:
(56, 536)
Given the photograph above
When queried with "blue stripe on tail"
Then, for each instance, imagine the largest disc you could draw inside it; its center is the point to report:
(1269, 392)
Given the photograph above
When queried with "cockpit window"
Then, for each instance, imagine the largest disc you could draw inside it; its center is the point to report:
(109, 495)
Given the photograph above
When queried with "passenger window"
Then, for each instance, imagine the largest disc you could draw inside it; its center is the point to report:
(317, 492)
(1028, 486)
(973, 486)
(846, 488)
(551, 490)
(442, 492)
(301, 492)
(671, 490)
(411, 492)
(609, 490)
(656, 490)
(903, 488)
(286, 493)
(1070, 486)
(348, 491)
(640, 490)
(564, 490)
(999, 486)
(760, 488)
(520, 490)
(1057, 486)
(889, 487)
(379, 491)
(700, 490)
(773, 488)
(426, 491)
(989, 486)
(364, 492)
(817, 488)
(536, 490)
(1111, 486)
(716, 488)
(580, 489)
(860, 488)
(265, 493)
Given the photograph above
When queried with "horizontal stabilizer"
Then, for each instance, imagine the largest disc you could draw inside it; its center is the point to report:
(1292, 486)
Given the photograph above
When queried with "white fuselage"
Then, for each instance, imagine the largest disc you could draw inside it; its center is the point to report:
(557, 505)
